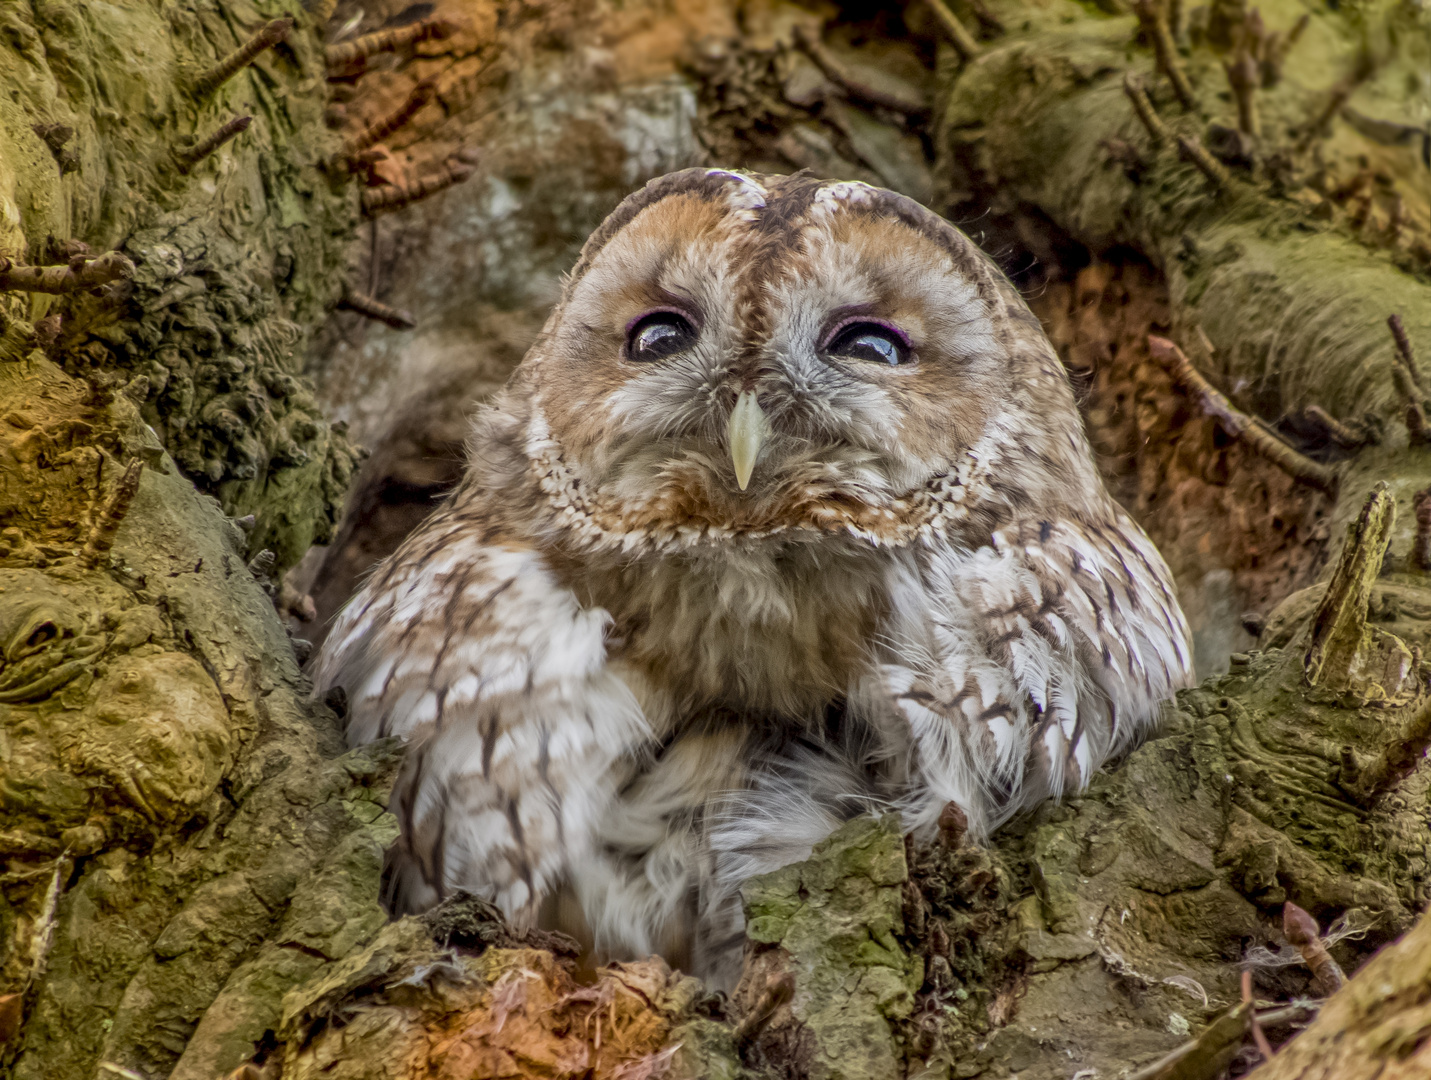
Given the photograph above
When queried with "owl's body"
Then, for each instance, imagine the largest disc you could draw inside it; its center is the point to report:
(788, 514)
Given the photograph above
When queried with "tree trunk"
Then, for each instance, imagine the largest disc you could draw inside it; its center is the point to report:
(193, 860)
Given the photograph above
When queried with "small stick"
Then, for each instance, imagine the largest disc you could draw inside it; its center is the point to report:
(382, 200)
(1150, 14)
(79, 274)
(1421, 546)
(954, 28)
(1338, 97)
(269, 35)
(339, 57)
(1344, 435)
(840, 73)
(1193, 150)
(364, 304)
(1243, 77)
(1301, 930)
(1406, 373)
(102, 532)
(1237, 423)
(1258, 1035)
(195, 154)
(421, 94)
(1274, 55)
(1143, 106)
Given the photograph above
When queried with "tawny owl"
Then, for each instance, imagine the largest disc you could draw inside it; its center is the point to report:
(789, 513)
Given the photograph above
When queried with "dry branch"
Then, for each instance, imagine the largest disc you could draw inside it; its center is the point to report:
(82, 272)
(1143, 106)
(195, 154)
(269, 35)
(1155, 25)
(390, 197)
(1237, 423)
(954, 29)
(341, 56)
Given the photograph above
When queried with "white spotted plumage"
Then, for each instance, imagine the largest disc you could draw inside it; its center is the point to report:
(629, 681)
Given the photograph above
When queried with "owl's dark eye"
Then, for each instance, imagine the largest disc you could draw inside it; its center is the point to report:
(870, 341)
(659, 335)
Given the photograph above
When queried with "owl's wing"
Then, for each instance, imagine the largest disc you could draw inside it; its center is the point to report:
(1023, 665)
(497, 675)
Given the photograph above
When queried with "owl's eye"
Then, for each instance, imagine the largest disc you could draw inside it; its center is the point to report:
(659, 335)
(870, 341)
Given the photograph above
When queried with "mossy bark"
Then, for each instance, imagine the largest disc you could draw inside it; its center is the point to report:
(194, 860)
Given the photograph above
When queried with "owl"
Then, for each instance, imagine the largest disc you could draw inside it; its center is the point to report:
(787, 515)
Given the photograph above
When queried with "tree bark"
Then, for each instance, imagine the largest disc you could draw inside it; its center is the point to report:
(194, 861)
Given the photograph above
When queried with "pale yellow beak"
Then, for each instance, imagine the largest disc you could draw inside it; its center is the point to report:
(746, 434)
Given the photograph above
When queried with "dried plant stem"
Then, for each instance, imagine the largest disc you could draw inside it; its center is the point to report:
(1237, 423)
(1243, 76)
(1258, 1035)
(80, 273)
(101, 534)
(383, 200)
(364, 304)
(192, 156)
(1155, 25)
(1193, 150)
(1406, 373)
(375, 133)
(339, 57)
(1421, 546)
(954, 28)
(1143, 106)
(268, 35)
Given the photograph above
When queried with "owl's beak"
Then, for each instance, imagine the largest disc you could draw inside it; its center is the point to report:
(745, 435)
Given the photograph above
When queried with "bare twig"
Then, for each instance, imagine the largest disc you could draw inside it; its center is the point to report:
(364, 304)
(101, 533)
(1143, 106)
(1237, 423)
(1406, 373)
(1348, 436)
(1337, 97)
(1258, 1035)
(421, 94)
(268, 35)
(341, 56)
(954, 28)
(382, 200)
(840, 73)
(1155, 25)
(192, 156)
(1193, 150)
(1244, 77)
(1275, 49)
(43, 935)
(1302, 931)
(1421, 546)
(82, 272)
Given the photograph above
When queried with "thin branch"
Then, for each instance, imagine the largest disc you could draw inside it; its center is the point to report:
(1155, 25)
(364, 304)
(195, 154)
(341, 56)
(375, 133)
(1258, 1035)
(101, 534)
(841, 74)
(1244, 77)
(954, 28)
(390, 197)
(81, 273)
(1406, 373)
(268, 35)
(1143, 106)
(1193, 150)
(1237, 423)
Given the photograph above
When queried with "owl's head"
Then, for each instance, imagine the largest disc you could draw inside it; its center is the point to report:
(746, 354)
